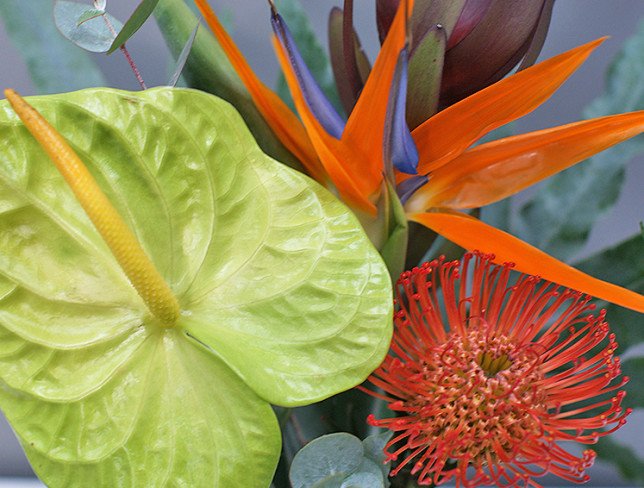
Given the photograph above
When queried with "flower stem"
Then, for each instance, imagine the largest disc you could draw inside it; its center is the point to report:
(126, 53)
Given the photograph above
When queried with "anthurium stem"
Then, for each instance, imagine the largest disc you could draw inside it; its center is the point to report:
(145, 278)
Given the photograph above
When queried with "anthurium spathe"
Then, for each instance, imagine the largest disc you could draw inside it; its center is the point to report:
(451, 175)
(141, 346)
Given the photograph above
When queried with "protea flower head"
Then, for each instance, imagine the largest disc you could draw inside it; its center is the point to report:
(467, 45)
(487, 377)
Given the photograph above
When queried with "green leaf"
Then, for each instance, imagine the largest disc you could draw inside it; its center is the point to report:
(89, 15)
(93, 35)
(183, 57)
(394, 250)
(339, 460)
(424, 77)
(633, 367)
(208, 69)
(133, 24)
(313, 53)
(630, 465)
(50, 58)
(283, 297)
(374, 449)
(623, 265)
(334, 456)
(363, 478)
(558, 219)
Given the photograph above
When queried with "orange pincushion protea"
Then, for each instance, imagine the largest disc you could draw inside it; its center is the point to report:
(487, 376)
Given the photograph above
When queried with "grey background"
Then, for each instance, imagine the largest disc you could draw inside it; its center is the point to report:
(574, 22)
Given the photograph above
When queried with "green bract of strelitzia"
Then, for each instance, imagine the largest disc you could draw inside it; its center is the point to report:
(283, 299)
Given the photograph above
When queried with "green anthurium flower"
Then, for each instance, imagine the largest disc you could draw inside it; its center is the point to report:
(142, 346)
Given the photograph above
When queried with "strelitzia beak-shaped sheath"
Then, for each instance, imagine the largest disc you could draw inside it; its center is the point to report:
(356, 161)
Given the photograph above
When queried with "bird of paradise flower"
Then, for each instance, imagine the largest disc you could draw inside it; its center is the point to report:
(438, 173)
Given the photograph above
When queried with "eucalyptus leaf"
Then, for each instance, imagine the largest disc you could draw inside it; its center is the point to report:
(142, 12)
(558, 219)
(330, 458)
(374, 449)
(283, 298)
(50, 59)
(312, 51)
(364, 479)
(89, 15)
(92, 35)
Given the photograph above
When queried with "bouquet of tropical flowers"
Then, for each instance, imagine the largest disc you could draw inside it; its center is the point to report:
(329, 283)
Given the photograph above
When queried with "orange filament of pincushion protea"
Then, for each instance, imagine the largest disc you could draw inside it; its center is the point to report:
(485, 384)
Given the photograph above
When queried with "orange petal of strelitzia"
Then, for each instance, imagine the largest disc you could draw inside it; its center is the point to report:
(333, 154)
(472, 234)
(355, 162)
(493, 171)
(284, 123)
(366, 125)
(448, 133)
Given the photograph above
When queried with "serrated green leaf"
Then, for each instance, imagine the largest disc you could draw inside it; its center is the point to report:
(330, 458)
(51, 60)
(558, 219)
(207, 68)
(628, 462)
(283, 298)
(624, 265)
(93, 35)
(633, 367)
(312, 52)
(142, 12)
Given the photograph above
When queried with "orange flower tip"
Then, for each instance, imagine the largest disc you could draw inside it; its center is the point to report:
(492, 362)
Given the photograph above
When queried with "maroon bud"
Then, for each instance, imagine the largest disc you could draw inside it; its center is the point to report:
(485, 45)
(485, 38)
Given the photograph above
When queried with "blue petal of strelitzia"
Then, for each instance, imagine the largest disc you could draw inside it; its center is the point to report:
(399, 147)
(319, 105)
(408, 187)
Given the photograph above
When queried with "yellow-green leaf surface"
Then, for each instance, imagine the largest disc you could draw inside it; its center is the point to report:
(283, 299)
